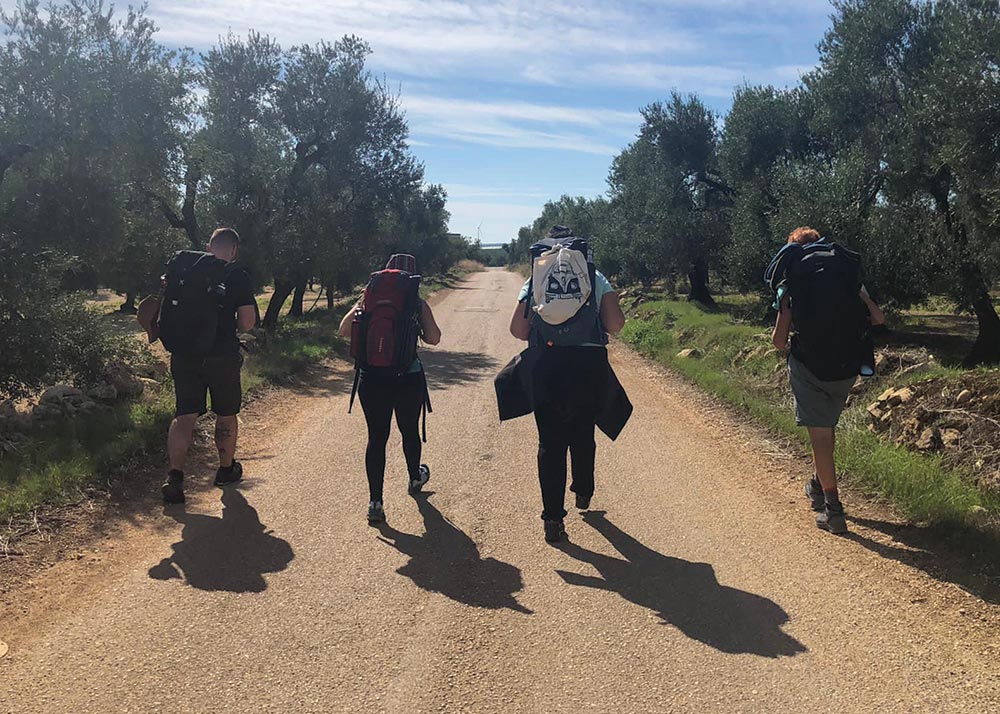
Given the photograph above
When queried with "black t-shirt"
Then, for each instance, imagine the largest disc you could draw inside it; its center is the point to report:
(238, 294)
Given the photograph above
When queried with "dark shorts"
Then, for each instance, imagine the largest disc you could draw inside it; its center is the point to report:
(197, 377)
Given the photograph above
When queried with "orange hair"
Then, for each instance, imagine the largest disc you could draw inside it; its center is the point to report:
(803, 235)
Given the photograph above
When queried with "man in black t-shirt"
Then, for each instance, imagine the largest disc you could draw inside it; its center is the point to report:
(218, 374)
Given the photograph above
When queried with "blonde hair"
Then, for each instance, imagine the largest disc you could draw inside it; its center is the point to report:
(803, 235)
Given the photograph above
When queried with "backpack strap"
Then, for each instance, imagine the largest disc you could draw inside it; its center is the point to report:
(426, 406)
(354, 389)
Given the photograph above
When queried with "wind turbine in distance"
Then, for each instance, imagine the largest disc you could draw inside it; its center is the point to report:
(479, 233)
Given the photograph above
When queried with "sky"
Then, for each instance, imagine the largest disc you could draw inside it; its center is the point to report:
(513, 103)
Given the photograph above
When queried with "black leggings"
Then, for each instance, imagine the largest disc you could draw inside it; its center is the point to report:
(380, 397)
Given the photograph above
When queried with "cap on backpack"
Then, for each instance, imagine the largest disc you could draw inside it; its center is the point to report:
(402, 261)
(556, 232)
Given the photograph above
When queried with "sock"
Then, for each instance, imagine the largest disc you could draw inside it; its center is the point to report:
(832, 498)
(175, 473)
(227, 469)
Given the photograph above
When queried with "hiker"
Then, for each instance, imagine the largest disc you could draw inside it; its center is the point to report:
(565, 311)
(819, 291)
(205, 299)
(384, 327)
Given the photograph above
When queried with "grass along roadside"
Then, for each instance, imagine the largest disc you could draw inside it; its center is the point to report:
(735, 361)
(58, 467)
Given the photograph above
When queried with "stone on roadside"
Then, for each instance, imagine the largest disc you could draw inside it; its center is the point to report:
(689, 353)
(951, 438)
(152, 370)
(103, 392)
(121, 376)
(60, 393)
(930, 438)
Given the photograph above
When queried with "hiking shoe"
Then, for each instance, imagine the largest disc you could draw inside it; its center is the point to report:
(832, 519)
(554, 531)
(814, 492)
(418, 483)
(582, 502)
(173, 488)
(224, 477)
(376, 514)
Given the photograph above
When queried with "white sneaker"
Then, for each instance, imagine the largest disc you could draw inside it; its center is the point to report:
(418, 483)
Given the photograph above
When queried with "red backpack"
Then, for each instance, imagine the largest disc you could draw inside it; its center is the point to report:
(386, 327)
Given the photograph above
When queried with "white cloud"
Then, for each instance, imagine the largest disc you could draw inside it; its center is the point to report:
(521, 124)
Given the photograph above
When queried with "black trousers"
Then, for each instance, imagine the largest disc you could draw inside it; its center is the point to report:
(380, 398)
(569, 384)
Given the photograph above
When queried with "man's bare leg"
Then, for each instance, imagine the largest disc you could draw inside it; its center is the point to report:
(226, 430)
(179, 439)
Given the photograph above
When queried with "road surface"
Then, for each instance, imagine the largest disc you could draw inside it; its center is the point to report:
(698, 583)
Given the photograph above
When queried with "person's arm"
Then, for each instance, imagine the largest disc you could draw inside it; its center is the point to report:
(246, 317)
(345, 325)
(612, 317)
(520, 325)
(874, 311)
(782, 326)
(429, 330)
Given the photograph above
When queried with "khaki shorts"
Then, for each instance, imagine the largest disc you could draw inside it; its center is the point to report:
(817, 403)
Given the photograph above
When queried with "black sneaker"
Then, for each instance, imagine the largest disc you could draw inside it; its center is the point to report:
(554, 531)
(832, 519)
(173, 488)
(582, 502)
(376, 514)
(814, 492)
(224, 477)
(418, 483)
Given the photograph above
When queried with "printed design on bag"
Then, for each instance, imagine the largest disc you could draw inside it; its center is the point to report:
(563, 284)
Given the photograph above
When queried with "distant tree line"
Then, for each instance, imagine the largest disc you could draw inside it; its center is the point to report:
(116, 151)
(890, 145)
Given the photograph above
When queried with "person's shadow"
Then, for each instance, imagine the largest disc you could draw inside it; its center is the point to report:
(447, 561)
(231, 553)
(684, 594)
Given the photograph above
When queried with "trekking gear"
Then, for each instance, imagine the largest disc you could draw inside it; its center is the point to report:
(832, 519)
(830, 318)
(561, 292)
(173, 487)
(554, 531)
(225, 477)
(417, 484)
(814, 492)
(385, 330)
(192, 296)
(376, 514)
(582, 502)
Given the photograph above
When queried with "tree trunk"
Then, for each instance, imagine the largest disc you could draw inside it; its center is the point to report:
(128, 307)
(698, 277)
(986, 350)
(282, 289)
(297, 299)
(329, 298)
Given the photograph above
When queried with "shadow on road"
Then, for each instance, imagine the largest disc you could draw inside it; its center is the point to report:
(446, 368)
(231, 553)
(447, 561)
(684, 594)
(971, 561)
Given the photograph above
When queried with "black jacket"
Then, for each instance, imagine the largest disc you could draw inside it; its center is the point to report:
(515, 396)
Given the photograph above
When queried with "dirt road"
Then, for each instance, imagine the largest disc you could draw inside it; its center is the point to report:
(699, 584)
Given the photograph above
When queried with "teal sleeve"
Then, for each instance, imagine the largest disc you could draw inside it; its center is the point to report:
(602, 286)
(523, 295)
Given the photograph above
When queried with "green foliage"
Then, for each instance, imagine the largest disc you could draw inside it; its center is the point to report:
(49, 335)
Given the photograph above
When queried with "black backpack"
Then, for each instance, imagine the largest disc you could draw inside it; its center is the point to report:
(192, 295)
(829, 317)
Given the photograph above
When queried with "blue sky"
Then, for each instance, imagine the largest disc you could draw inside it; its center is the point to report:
(512, 103)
